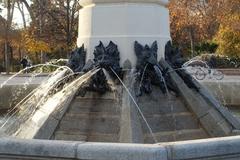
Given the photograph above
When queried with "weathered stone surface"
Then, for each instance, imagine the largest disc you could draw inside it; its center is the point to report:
(171, 122)
(191, 134)
(216, 129)
(8, 94)
(227, 148)
(91, 118)
(47, 129)
(163, 108)
(95, 95)
(88, 105)
(81, 136)
(37, 148)
(206, 112)
(207, 149)
(177, 135)
(90, 124)
(91, 151)
(223, 92)
(130, 125)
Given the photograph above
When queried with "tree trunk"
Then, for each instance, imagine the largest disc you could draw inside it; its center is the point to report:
(19, 54)
(10, 11)
(191, 37)
(29, 10)
(21, 10)
(68, 27)
(6, 57)
(7, 28)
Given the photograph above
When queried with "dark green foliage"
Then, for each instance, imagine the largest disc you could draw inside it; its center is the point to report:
(207, 47)
(219, 61)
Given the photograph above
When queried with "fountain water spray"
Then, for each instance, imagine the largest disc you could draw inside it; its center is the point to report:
(28, 68)
(40, 100)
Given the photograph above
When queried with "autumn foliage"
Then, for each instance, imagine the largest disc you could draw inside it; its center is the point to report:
(197, 27)
(194, 22)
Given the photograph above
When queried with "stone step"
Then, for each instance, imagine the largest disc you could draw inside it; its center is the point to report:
(162, 107)
(96, 95)
(97, 105)
(156, 97)
(90, 123)
(170, 122)
(81, 136)
(178, 135)
(90, 115)
(155, 94)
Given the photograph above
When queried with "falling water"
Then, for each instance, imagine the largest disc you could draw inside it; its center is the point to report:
(20, 90)
(141, 81)
(40, 103)
(26, 69)
(194, 60)
(222, 98)
(36, 95)
(138, 108)
(170, 102)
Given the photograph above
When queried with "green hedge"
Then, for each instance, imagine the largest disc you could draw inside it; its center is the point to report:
(219, 61)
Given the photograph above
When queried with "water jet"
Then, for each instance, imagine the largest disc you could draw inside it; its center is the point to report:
(127, 91)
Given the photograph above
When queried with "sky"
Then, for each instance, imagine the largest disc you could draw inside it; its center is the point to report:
(17, 18)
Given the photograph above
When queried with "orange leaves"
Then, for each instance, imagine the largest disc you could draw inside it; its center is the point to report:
(199, 21)
(228, 36)
(33, 45)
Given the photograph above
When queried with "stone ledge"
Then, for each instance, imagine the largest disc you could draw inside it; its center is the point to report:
(205, 149)
(90, 2)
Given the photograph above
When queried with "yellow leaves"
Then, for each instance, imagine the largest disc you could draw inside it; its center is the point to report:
(228, 37)
(33, 45)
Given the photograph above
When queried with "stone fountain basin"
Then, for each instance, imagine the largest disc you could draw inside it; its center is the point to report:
(209, 149)
(227, 148)
(9, 90)
(226, 90)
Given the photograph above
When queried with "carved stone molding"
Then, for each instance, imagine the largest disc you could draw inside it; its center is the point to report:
(90, 2)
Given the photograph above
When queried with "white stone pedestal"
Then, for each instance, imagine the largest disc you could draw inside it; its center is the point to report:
(123, 22)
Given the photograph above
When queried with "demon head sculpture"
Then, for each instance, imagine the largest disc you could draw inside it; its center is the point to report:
(145, 54)
(147, 67)
(77, 59)
(174, 57)
(106, 58)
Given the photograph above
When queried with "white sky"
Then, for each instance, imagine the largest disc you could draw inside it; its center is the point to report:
(17, 18)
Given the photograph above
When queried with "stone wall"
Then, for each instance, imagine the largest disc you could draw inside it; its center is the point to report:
(225, 91)
(208, 149)
(10, 92)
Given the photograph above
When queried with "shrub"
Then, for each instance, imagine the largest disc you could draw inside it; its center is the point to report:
(220, 61)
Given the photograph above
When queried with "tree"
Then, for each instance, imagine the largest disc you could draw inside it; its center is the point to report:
(9, 4)
(197, 21)
(57, 21)
(53, 26)
(228, 36)
(21, 10)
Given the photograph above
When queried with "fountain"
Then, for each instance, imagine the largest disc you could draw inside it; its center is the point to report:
(126, 88)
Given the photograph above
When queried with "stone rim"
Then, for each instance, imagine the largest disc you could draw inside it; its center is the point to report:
(85, 3)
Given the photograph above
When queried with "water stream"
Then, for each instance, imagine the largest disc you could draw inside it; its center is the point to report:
(41, 102)
(170, 101)
(137, 106)
(141, 81)
(27, 69)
